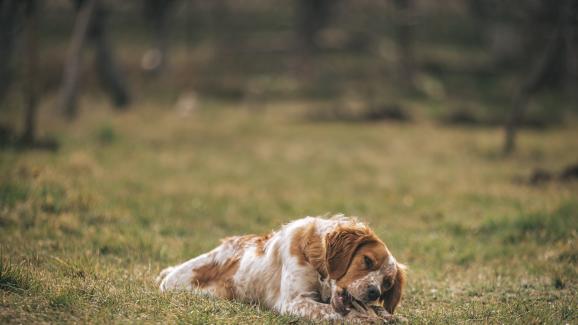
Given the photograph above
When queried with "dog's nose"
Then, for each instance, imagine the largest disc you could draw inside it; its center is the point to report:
(372, 293)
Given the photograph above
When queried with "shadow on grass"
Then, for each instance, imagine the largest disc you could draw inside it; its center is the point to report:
(538, 227)
(14, 278)
(386, 112)
(10, 140)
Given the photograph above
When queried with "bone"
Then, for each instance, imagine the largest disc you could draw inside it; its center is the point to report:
(362, 308)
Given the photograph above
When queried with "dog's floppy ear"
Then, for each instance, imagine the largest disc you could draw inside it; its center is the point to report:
(392, 297)
(341, 245)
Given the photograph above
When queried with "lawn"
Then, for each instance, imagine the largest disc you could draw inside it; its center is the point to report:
(85, 230)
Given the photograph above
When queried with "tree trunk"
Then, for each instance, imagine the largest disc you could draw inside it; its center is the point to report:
(10, 15)
(223, 25)
(405, 42)
(156, 13)
(562, 46)
(31, 88)
(313, 15)
(535, 81)
(571, 41)
(518, 108)
(68, 97)
(109, 74)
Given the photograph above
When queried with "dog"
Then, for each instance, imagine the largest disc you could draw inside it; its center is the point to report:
(317, 268)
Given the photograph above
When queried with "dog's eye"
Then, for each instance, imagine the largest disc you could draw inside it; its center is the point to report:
(368, 262)
(387, 284)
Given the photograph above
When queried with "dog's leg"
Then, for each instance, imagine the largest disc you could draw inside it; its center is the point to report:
(207, 273)
(180, 277)
(299, 295)
(305, 306)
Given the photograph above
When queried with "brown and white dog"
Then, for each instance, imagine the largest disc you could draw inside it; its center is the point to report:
(312, 267)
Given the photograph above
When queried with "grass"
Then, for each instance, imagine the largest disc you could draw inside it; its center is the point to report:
(85, 230)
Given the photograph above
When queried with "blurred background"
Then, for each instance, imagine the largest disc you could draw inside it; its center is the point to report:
(473, 63)
(135, 134)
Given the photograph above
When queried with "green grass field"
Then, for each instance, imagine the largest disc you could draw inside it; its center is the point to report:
(85, 230)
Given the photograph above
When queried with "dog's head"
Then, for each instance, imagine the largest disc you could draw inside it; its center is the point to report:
(363, 268)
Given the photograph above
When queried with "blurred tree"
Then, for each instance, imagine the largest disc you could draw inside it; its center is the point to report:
(313, 16)
(156, 13)
(69, 89)
(31, 88)
(109, 74)
(227, 34)
(11, 15)
(90, 24)
(405, 42)
(556, 65)
(498, 24)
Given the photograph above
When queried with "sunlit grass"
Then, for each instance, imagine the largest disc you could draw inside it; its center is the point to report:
(85, 230)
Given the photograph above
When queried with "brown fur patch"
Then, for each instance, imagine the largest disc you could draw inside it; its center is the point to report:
(308, 247)
(217, 276)
(260, 242)
(239, 243)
